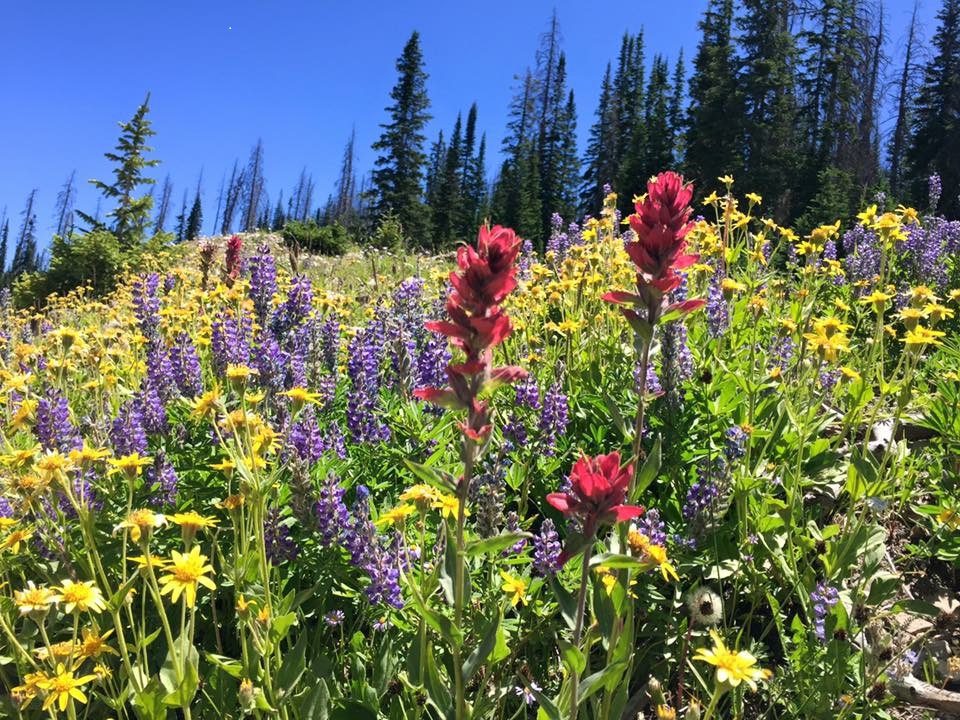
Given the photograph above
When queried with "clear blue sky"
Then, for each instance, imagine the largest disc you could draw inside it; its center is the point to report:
(299, 74)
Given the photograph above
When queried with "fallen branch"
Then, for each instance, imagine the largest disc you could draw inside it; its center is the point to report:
(916, 692)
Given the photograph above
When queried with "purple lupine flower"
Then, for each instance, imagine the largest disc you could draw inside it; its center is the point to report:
(146, 304)
(546, 550)
(53, 426)
(161, 376)
(169, 283)
(653, 527)
(335, 440)
(923, 254)
(298, 351)
(863, 253)
(704, 493)
(280, 545)
(527, 393)
(369, 552)
(152, 411)
(263, 282)
(295, 309)
(271, 363)
(525, 261)
(363, 368)
(718, 313)
(781, 353)
(515, 433)
(824, 597)
(652, 385)
(162, 478)
(554, 418)
(513, 525)
(934, 191)
(305, 437)
(829, 377)
(331, 512)
(735, 443)
(230, 341)
(330, 343)
(186, 366)
(127, 432)
(559, 241)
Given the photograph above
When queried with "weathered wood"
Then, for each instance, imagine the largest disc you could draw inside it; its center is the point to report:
(916, 692)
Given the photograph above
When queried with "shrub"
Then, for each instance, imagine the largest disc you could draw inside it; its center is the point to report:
(320, 239)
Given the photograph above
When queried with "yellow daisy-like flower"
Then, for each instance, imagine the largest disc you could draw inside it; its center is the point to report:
(82, 596)
(34, 599)
(936, 312)
(193, 520)
(63, 687)
(300, 396)
(88, 455)
(54, 466)
(730, 287)
(754, 198)
(186, 572)
(16, 538)
(396, 515)
(206, 404)
(732, 667)
(868, 216)
(515, 587)
(131, 465)
(878, 299)
(94, 644)
(920, 337)
(849, 373)
(239, 374)
(949, 517)
(141, 522)
(30, 689)
(422, 495)
(448, 505)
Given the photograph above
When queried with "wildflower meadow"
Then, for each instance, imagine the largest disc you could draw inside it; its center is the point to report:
(684, 463)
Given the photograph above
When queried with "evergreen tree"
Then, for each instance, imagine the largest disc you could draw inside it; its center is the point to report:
(398, 176)
(675, 108)
(434, 173)
(163, 208)
(651, 148)
(25, 251)
(301, 202)
(768, 79)
(471, 179)
(231, 201)
(131, 213)
(278, 216)
(447, 196)
(254, 188)
(182, 220)
(905, 90)
(346, 183)
(4, 237)
(714, 138)
(600, 158)
(63, 210)
(935, 140)
(194, 220)
(557, 150)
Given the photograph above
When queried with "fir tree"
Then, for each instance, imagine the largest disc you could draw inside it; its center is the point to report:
(768, 80)
(63, 210)
(599, 161)
(675, 107)
(343, 205)
(714, 134)
(25, 251)
(447, 195)
(182, 219)
(557, 150)
(131, 213)
(471, 178)
(163, 208)
(398, 176)
(905, 91)
(278, 216)
(254, 188)
(194, 220)
(4, 238)
(935, 140)
(516, 193)
(231, 202)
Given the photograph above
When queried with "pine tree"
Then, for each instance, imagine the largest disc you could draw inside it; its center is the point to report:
(434, 175)
(398, 176)
(343, 205)
(935, 140)
(163, 209)
(25, 251)
(63, 210)
(131, 213)
(182, 220)
(513, 202)
(557, 149)
(4, 237)
(768, 80)
(254, 188)
(714, 138)
(675, 108)
(599, 159)
(447, 196)
(905, 90)
(278, 217)
(194, 220)
(567, 165)
(471, 179)
(231, 202)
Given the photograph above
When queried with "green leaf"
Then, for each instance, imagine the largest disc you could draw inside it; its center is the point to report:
(181, 687)
(316, 703)
(606, 678)
(617, 416)
(566, 601)
(480, 653)
(615, 561)
(571, 657)
(448, 571)
(496, 543)
(281, 626)
(917, 607)
(439, 622)
(651, 466)
(353, 710)
(432, 476)
(293, 665)
(231, 667)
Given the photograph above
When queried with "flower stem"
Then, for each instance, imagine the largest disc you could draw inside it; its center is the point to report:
(578, 627)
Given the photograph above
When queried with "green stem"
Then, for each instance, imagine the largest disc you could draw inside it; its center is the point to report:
(578, 627)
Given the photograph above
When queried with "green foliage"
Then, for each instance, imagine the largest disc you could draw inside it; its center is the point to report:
(320, 239)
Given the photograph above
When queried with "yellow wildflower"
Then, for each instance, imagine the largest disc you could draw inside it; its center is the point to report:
(82, 596)
(186, 572)
(515, 587)
(396, 515)
(63, 687)
(34, 600)
(732, 667)
(140, 523)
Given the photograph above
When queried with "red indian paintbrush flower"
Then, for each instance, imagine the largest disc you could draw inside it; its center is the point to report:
(598, 491)
(661, 224)
(231, 259)
(477, 324)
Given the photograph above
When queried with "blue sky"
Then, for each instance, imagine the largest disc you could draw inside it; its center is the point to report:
(297, 74)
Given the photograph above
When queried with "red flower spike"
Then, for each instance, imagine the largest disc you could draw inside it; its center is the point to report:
(598, 493)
